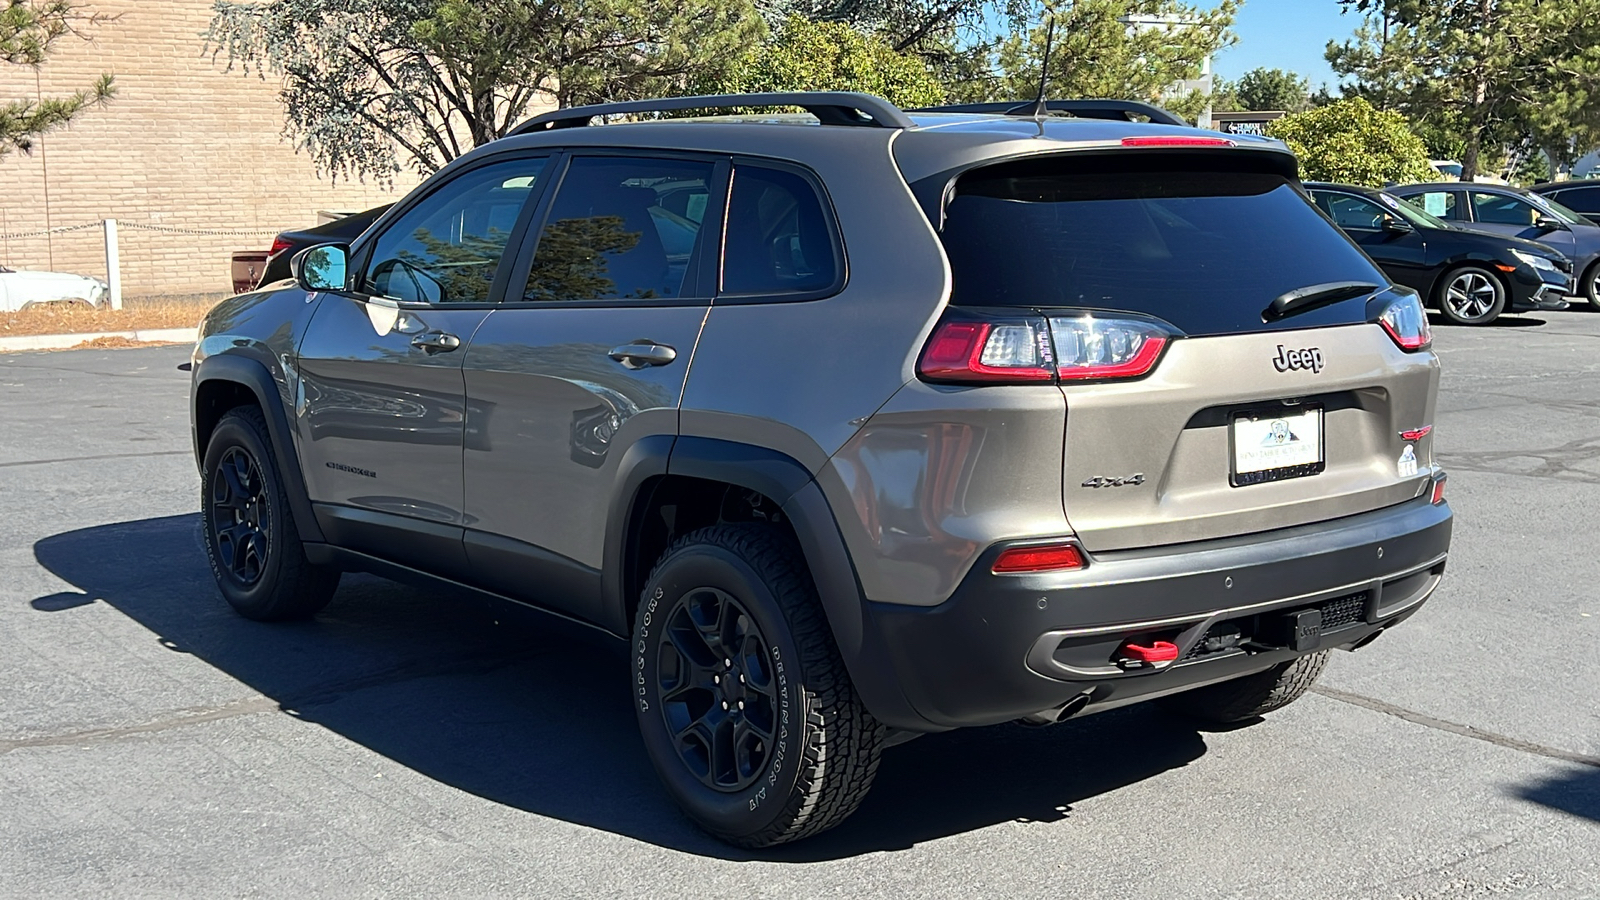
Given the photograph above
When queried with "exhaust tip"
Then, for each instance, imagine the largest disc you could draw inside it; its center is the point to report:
(1059, 713)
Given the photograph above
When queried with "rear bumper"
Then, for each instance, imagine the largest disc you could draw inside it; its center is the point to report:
(1005, 647)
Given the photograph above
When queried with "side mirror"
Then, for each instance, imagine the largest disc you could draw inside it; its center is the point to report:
(321, 268)
(1397, 225)
(1547, 223)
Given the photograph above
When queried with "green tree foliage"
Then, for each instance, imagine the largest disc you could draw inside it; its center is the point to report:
(1096, 54)
(1273, 89)
(804, 55)
(370, 85)
(1492, 73)
(28, 31)
(1351, 142)
(574, 258)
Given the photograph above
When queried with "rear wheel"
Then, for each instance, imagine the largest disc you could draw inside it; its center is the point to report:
(744, 704)
(255, 551)
(1253, 695)
(1471, 296)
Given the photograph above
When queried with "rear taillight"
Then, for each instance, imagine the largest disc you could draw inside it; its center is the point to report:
(1032, 349)
(1002, 351)
(1089, 346)
(1407, 323)
(1054, 558)
(279, 244)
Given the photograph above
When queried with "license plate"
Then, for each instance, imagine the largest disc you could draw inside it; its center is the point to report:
(1273, 445)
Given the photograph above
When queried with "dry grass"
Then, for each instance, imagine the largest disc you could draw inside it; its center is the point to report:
(137, 314)
(116, 343)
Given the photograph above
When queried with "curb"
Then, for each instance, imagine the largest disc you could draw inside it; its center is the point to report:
(66, 341)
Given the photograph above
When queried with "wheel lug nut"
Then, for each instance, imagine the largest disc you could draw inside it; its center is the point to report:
(716, 679)
(741, 678)
(728, 663)
(724, 704)
(741, 704)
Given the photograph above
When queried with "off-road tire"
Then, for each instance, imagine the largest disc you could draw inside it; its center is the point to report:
(1485, 280)
(285, 584)
(825, 750)
(1253, 695)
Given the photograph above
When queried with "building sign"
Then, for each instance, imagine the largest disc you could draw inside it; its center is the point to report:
(1252, 123)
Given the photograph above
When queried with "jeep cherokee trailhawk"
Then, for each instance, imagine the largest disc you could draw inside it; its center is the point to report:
(856, 423)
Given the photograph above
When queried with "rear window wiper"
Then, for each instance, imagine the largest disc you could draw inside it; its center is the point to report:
(1311, 296)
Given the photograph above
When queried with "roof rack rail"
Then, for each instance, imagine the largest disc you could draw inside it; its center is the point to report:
(1119, 110)
(830, 108)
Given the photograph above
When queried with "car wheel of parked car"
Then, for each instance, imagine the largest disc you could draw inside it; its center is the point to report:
(251, 541)
(744, 704)
(1253, 695)
(1471, 296)
(1591, 286)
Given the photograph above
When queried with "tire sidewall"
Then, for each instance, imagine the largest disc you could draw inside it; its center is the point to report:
(1591, 285)
(237, 431)
(1494, 311)
(763, 803)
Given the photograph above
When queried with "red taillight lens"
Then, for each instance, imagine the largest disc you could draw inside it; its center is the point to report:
(1006, 351)
(1407, 323)
(1438, 490)
(1089, 347)
(1176, 141)
(279, 244)
(1038, 559)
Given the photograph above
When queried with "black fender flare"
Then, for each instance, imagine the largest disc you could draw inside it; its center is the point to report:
(254, 375)
(791, 485)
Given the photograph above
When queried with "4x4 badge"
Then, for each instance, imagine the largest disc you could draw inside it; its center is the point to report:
(1310, 358)
(1100, 481)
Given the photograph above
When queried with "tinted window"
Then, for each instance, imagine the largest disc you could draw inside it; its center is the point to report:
(447, 248)
(1585, 200)
(1205, 251)
(778, 238)
(620, 229)
(1498, 209)
(1439, 203)
(1352, 212)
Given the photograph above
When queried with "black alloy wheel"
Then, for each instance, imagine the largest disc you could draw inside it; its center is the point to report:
(241, 516)
(717, 692)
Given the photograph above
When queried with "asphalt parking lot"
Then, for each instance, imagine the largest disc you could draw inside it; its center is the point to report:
(407, 743)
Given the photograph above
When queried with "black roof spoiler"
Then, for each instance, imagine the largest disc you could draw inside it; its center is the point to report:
(830, 108)
(1116, 110)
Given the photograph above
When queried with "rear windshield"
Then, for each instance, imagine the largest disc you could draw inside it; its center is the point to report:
(1206, 250)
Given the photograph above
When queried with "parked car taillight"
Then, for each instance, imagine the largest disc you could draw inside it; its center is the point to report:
(1407, 322)
(279, 244)
(1029, 350)
(1089, 346)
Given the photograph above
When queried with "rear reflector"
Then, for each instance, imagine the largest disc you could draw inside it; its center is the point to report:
(1438, 490)
(1407, 323)
(998, 352)
(1038, 559)
(1157, 651)
(1176, 141)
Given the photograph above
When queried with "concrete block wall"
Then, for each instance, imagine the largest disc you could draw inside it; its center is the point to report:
(184, 145)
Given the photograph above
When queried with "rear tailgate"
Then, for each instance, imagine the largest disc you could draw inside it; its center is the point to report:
(1248, 415)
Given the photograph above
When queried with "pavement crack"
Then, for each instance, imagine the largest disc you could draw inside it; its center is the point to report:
(1556, 462)
(103, 456)
(248, 707)
(1467, 731)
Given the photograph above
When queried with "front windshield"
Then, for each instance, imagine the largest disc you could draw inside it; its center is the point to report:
(1411, 213)
(1560, 212)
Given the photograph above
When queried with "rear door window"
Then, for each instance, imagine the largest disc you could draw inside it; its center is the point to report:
(1157, 234)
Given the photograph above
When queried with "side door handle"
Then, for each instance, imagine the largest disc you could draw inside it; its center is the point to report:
(640, 354)
(436, 342)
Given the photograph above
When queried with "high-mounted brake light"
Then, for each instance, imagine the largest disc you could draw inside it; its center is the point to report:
(1007, 351)
(279, 244)
(1091, 347)
(1057, 557)
(1407, 323)
(1176, 141)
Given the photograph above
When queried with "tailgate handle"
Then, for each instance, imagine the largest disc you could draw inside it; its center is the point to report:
(640, 354)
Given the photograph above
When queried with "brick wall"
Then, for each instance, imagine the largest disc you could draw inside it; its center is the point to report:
(183, 145)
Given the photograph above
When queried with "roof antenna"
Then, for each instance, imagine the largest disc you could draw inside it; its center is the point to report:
(1040, 109)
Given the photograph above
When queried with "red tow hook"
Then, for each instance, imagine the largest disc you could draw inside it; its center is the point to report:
(1158, 651)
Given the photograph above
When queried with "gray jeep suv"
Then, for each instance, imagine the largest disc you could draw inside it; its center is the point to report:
(856, 424)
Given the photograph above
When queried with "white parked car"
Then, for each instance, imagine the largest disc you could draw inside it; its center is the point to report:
(19, 290)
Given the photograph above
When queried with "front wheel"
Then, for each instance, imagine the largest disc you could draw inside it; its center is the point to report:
(1253, 695)
(744, 704)
(1590, 289)
(1471, 296)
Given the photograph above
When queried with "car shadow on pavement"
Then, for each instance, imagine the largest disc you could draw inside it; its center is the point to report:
(532, 711)
(1575, 792)
(1507, 320)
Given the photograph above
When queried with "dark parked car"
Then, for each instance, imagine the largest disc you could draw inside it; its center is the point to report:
(1512, 211)
(781, 402)
(1578, 196)
(1470, 276)
(288, 243)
